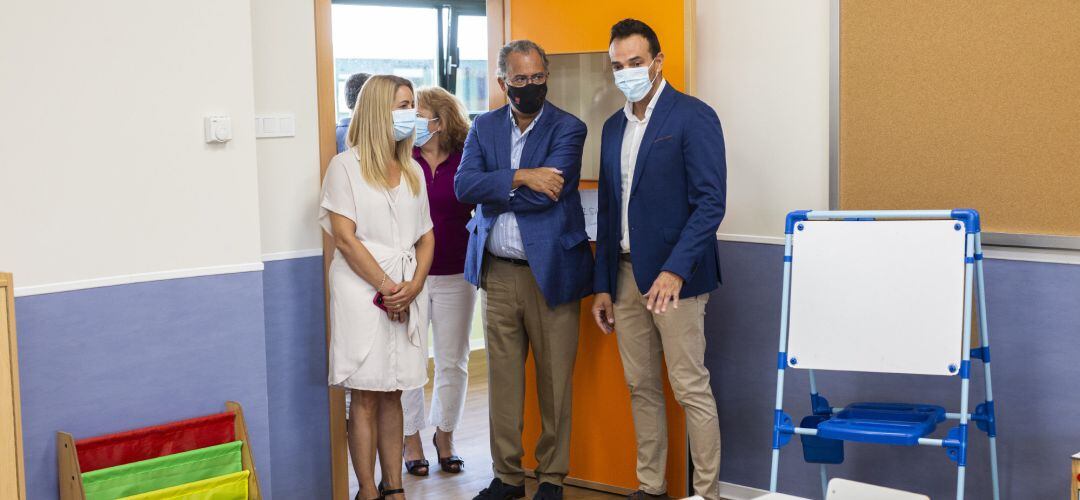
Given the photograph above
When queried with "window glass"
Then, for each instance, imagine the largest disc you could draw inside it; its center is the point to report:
(384, 40)
(472, 72)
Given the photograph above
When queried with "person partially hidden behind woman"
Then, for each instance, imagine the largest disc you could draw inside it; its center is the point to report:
(375, 205)
(441, 128)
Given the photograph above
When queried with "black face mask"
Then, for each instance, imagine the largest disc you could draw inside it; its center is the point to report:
(527, 99)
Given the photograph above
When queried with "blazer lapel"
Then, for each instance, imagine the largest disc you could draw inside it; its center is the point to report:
(652, 130)
(536, 135)
(614, 166)
(502, 138)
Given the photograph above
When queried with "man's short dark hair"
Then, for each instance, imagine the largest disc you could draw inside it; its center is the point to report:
(521, 47)
(628, 27)
(352, 88)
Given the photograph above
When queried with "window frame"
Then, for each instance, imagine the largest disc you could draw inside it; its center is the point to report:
(448, 54)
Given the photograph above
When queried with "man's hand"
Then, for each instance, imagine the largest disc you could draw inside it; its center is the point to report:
(665, 289)
(603, 312)
(544, 180)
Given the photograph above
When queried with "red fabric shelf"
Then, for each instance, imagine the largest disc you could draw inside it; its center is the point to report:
(152, 442)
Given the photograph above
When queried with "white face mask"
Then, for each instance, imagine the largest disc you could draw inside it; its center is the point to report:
(634, 82)
(423, 135)
(404, 123)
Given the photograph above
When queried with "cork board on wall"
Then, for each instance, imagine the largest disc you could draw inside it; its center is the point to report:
(963, 103)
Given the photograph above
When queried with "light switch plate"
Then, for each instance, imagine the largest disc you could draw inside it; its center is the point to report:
(275, 125)
(217, 129)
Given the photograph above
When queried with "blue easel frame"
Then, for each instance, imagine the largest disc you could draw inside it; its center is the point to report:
(955, 443)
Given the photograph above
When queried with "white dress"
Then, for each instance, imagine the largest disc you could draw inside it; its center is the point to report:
(367, 350)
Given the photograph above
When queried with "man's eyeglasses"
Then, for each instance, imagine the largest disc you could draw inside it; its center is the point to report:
(523, 80)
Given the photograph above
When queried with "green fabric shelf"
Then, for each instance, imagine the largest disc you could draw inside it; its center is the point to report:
(163, 472)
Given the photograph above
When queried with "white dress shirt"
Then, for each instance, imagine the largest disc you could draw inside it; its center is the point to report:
(631, 143)
(505, 237)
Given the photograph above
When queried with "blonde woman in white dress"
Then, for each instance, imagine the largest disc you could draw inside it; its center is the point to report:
(375, 205)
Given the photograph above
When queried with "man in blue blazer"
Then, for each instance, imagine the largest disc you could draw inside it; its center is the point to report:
(352, 92)
(661, 199)
(529, 251)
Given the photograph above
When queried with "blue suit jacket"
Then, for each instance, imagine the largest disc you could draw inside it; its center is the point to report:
(553, 233)
(342, 129)
(676, 197)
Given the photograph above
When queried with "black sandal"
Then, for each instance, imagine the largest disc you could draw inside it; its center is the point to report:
(414, 467)
(452, 464)
(385, 492)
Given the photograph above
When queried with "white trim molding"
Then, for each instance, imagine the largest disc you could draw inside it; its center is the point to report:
(128, 279)
(1049, 255)
(751, 238)
(292, 254)
(1026, 254)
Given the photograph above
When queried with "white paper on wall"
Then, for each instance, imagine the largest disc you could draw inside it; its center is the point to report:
(589, 206)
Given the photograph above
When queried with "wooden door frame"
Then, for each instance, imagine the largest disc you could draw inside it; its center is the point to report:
(326, 89)
(13, 461)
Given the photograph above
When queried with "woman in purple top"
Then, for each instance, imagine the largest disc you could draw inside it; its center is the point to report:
(441, 128)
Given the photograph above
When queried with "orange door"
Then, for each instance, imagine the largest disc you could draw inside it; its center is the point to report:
(603, 450)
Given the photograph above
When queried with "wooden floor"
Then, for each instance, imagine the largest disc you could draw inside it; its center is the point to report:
(471, 441)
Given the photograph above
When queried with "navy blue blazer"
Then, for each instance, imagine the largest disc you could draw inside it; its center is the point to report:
(676, 197)
(340, 132)
(553, 233)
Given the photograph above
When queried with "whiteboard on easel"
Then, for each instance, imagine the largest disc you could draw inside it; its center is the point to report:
(877, 296)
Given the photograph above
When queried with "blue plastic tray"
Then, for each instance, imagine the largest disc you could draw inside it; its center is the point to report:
(886, 423)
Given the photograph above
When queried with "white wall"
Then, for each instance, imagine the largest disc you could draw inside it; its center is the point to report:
(103, 168)
(283, 34)
(764, 66)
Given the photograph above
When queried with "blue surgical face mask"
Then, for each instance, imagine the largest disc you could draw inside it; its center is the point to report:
(404, 123)
(634, 82)
(422, 133)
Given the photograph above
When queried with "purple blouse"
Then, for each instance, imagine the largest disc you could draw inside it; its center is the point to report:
(448, 214)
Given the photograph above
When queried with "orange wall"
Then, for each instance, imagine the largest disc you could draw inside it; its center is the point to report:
(566, 26)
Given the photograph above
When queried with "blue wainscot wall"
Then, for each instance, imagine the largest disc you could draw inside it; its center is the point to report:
(111, 359)
(1034, 313)
(296, 378)
(115, 358)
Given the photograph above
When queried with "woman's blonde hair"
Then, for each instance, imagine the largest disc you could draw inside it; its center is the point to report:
(371, 134)
(451, 114)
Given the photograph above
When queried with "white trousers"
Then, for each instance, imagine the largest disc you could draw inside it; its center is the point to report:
(451, 310)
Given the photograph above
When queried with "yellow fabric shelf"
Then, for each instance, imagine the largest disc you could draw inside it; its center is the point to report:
(228, 487)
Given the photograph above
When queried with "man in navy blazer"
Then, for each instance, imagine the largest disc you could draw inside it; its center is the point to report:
(661, 199)
(529, 251)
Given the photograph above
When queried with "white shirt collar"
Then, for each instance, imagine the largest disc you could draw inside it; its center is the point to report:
(513, 119)
(629, 108)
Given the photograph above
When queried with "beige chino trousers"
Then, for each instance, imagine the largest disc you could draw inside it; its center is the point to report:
(517, 317)
(646, 340)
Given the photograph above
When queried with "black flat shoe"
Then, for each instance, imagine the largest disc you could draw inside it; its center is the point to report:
(548, 491)
(641, 495)
(452, 464)
(499, 490)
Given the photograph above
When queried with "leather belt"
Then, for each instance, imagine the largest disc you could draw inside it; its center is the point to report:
(508, 260)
